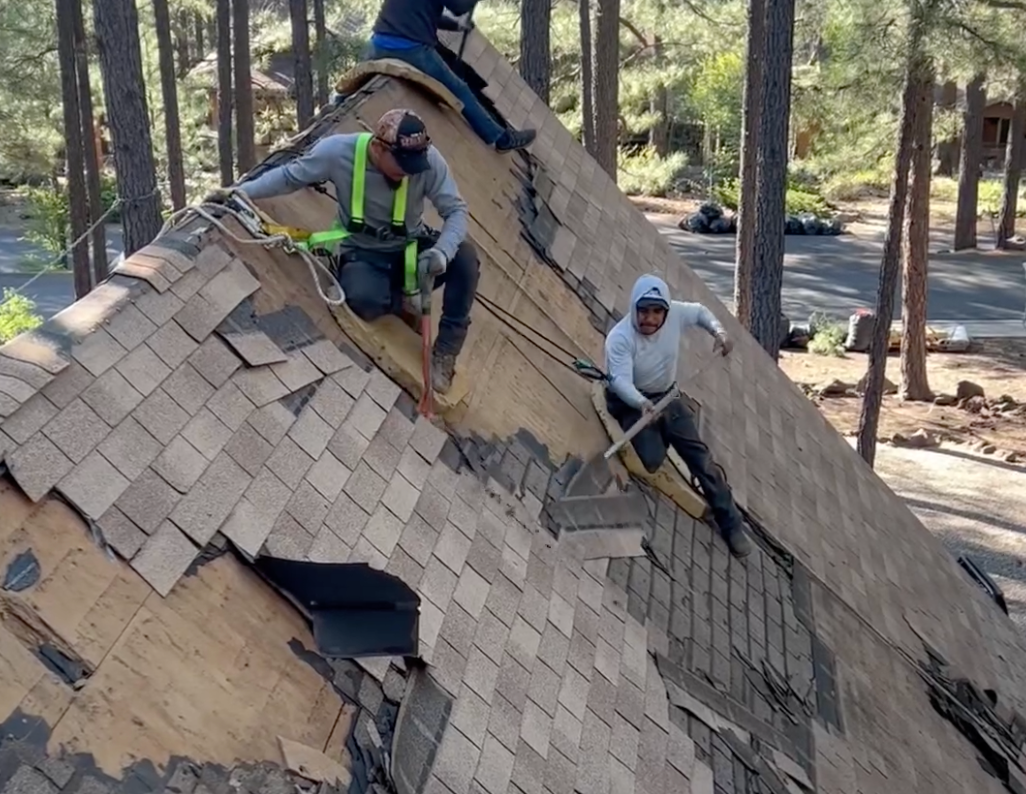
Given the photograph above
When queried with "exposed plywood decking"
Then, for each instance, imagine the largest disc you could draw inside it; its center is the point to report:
(206, 673)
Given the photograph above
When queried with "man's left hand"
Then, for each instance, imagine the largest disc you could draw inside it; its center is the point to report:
(431, 262)
(723, 344)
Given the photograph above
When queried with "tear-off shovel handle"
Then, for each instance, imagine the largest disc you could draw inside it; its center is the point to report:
(426, 406)
(644, 421)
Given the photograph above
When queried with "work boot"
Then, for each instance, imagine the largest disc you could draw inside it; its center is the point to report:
(738, 542)
(443, 368)
(511, 140)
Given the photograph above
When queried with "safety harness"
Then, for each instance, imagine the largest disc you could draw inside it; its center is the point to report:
(327, 240)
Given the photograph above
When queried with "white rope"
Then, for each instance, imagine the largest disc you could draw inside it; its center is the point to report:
(267, 241)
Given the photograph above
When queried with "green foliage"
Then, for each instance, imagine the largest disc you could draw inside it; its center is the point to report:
(48, 222)
(17, 315)
(799, 199)
(827, 337)
(645, 173)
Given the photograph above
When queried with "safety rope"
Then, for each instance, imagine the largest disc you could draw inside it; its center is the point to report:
(577, 364)
(266, 240)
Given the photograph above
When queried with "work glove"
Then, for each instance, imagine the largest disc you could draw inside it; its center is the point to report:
(723, 344)
(219, 195)
(431, 262)
(412, 304)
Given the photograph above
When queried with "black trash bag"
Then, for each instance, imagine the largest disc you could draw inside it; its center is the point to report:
(799, 336)
(860, 331)
(711, 211)
(720, 225)
(733, 223)
(793, 225)
(810, 223)
(696, 222)
(834, 227)
(783, 330)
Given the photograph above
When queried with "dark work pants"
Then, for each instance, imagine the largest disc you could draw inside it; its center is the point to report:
(676, 428)
(373, 284)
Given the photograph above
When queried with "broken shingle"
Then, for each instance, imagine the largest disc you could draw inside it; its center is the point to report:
(214, 361)
(121, 533)
(296, 372)
(180, 464)
(37, 466)
(131, 448)
(164, 558)
(29, 419)
(327, 357)
(229, 288)
(148, 500)
(254, 347)
(261, 385)
(201, 512)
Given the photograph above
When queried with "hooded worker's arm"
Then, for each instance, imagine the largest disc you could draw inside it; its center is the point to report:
(443, 193)
(620, 366)
(312, 167)
(695, 314)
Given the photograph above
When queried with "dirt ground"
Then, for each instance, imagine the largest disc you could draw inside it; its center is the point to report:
(997, 365)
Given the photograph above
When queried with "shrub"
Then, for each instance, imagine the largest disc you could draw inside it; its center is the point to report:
(17, 315)
(827, 338)
(645, 173)
(799, 198)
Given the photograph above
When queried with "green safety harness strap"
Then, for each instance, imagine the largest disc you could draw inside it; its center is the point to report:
(337, 233)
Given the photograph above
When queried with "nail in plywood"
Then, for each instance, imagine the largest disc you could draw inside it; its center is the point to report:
(312, 764)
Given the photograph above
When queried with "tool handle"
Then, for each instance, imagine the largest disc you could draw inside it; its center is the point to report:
(644, 421)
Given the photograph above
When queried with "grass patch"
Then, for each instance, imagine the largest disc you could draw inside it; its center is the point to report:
(828, 336)
(645, 173)
(798, 199)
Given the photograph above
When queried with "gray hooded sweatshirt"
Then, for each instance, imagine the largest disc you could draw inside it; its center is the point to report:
(637, 363)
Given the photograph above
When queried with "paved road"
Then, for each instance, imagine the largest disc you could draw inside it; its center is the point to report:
(984, 291)
(51, 291)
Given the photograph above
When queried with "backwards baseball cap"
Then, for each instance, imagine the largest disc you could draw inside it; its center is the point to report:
(405, 135)
(653, 298)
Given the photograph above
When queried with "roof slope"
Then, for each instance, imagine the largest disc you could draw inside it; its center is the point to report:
(206, 388)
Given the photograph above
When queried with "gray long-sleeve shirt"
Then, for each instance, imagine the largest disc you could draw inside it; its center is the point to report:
(332, 159)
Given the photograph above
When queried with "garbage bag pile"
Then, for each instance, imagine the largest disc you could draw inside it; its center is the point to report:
(710, 219)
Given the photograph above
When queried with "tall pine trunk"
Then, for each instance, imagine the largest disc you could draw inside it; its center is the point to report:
(224, 92)
(744, 258)
(77, 200)
(587, 78)
(605, 65)
(321, 50)
(535, 16)
(201, 36)
(90, 145)
(915, 384)
(169, 92)
(243, 71)
(117, 40)
(181, 34)
(303, 69)
(1013, 166)
(970, 158)
(659, 104)
(890, 262)
(771, 183)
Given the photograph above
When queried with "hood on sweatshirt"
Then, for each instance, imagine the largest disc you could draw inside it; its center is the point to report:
(650, 288)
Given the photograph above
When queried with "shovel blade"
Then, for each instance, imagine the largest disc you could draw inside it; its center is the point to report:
(607, 511)
(593, 478)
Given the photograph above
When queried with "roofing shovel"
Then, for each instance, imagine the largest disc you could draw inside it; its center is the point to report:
(426, 406)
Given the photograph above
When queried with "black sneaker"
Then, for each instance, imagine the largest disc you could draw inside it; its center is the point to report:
(443, 369)
(511, 140)
(738, 542)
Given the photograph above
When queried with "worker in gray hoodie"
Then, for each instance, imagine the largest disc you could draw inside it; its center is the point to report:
(380, 243)
(642, 351)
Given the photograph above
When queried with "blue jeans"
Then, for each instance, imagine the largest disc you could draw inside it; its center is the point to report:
(430, 63)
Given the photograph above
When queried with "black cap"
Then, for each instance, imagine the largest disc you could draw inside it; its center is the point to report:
(404, 133)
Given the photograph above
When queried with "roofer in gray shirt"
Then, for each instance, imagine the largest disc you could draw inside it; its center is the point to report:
(384, 251)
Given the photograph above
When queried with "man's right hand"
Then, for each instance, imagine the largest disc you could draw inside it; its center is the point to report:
(647, 408)
(219, 195)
